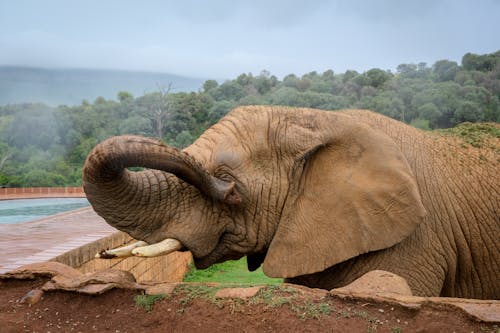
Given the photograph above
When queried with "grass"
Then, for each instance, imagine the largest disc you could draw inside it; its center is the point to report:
(231, 271)
(147, 301)
(271, 296)
(312, 310)
(191, 292)
(274, 296)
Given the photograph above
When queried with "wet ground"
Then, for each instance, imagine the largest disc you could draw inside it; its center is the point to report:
(46, 238)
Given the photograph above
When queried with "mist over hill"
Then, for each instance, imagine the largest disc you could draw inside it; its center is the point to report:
(71, 86)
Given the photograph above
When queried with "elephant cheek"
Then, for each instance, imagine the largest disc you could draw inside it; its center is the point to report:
(201, 243)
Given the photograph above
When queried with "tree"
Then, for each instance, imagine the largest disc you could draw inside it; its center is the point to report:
(389, 104)
(407, 70)
(328, 75)
(136, 125)
(183, 139)
(229, 91)
(303, 84)
(5, 154)
(483, 63)
(37, 178)
(35, 125)
(210, 85)
(431, 113)
(290, 81)
(445, 70)
(219, 110)
(468, 111)
(420, 123)
(377, 77)
(124, 96)
(349, 75)
(264, 82)
(158, 108)
(245, 79)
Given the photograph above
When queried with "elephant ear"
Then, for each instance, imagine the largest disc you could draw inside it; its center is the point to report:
(353, 193)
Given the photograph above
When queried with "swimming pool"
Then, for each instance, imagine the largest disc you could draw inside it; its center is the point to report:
(24, 210)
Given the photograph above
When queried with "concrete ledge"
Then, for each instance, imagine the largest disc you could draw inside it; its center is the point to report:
(77, 254)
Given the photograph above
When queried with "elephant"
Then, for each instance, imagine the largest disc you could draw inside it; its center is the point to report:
(316, 197)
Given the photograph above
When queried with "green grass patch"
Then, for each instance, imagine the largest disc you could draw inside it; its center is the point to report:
(231, 271)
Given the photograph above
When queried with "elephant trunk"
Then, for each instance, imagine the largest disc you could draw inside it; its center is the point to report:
(140, 202)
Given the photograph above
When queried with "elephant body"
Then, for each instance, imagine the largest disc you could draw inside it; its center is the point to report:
(454, 252)
(317, 197)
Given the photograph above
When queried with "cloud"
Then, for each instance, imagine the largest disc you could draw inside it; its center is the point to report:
(223, 38)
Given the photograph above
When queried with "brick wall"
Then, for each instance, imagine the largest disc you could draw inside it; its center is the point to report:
(169, 268)
(41, 192)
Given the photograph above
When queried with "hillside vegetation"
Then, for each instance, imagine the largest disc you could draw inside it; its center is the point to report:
(46, 146)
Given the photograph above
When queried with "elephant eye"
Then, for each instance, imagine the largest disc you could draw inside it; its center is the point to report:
(223, 172)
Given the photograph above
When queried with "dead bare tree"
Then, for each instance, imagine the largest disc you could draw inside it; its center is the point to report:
(161, 109)
(4, 158)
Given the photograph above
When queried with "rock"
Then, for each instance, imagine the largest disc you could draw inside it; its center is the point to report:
(96, 289)
(386, 287)
(484, 310)
(32, 296)
(48, 268)
(93, 283)
(242, 293)
(377, 283)
(161, 289)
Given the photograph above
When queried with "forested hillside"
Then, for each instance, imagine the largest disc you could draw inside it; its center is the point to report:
(44, 146)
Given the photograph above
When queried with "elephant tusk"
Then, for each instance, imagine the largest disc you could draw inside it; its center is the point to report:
(124, 251)
(166, 246)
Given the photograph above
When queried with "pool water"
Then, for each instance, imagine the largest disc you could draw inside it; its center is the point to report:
(24, 210)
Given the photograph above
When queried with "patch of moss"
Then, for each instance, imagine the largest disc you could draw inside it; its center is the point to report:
(475, 134)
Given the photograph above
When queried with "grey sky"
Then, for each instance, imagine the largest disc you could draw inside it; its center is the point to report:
(223, 38)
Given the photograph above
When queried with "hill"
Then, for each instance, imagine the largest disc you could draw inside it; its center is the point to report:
(71, 86)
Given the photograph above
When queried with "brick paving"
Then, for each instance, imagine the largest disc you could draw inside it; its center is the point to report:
(46, 238)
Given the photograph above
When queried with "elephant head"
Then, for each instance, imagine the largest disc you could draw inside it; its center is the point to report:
(298, 190)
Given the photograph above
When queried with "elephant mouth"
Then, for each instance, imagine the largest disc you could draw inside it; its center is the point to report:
(209, 260)
(219, 254)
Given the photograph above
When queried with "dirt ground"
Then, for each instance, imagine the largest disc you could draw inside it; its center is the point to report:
(195, 308)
